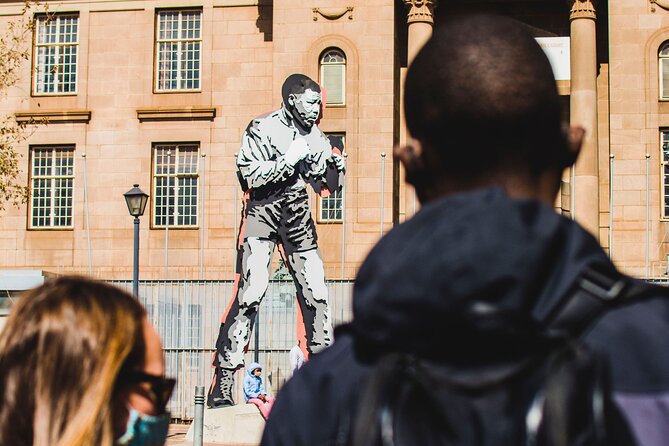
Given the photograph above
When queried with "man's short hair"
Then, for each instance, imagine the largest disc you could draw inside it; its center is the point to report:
(481, 93)
(297, 84)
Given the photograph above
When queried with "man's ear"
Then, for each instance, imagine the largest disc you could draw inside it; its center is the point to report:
(575, 137)
(291, 100)
(409, 154)
(417, 170)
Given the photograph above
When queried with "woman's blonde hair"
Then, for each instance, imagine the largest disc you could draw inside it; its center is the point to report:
(61, 352)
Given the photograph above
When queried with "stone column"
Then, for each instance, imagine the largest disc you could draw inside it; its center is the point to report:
(583, 104)
(420, 19)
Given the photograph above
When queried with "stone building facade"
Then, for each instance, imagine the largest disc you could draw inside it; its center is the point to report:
(158, 93)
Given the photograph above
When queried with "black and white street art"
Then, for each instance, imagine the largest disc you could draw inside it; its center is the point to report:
(281, 152)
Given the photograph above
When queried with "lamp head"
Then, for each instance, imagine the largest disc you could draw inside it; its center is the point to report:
(136, 200)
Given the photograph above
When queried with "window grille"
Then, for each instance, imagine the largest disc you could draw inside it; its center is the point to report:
(178, 50)
(665, 173)
(331, 207)
(333, 76)
(175, 185)
(56, 51)
(51, 187)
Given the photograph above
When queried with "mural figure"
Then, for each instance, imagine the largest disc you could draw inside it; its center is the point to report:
(280, 153)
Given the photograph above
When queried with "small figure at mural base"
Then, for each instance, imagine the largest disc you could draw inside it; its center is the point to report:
(280, 153)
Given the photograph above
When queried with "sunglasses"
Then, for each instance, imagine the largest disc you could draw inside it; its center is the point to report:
(160, 387)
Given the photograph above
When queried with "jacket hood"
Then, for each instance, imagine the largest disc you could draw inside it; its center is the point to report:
(252, 367)
(470, 272)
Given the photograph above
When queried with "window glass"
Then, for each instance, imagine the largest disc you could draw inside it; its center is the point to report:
(333, 76)
(331, 207)
(51, 187)
(178, 50)
(664, 135)
(175, 185)
(56, 48)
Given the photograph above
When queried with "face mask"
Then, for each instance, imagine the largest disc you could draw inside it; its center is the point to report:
(145, 430)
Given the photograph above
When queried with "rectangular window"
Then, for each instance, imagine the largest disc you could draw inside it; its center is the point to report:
(175, 185)
(665, 173)
(331, 207)
(56, 48)
(51, 187)
(178, 44)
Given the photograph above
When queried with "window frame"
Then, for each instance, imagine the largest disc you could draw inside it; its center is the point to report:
(660, 70)
(35, 57)
(321, 77)
(154, 194)
(156, 51)
(664, 177)
(331, 197)
(30, 217)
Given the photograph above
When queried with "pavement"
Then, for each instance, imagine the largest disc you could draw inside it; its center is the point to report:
(176, 436)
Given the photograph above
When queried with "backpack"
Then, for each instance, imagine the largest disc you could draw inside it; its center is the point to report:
(553, 392)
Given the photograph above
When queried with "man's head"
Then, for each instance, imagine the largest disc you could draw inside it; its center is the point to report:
(482, 104)
(302, 98)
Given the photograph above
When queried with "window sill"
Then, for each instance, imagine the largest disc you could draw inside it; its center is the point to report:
(175, 228)
(46, 228)
(177, 91)
(53, 95)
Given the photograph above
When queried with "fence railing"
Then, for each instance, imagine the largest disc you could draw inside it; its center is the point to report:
(187, 315)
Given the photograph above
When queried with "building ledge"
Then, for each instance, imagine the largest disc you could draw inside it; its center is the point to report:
(177, 114)
(53, 117)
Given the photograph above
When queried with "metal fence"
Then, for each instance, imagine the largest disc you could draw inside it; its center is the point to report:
(187, 315)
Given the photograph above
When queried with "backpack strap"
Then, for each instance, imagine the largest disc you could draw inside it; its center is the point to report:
(595, 291)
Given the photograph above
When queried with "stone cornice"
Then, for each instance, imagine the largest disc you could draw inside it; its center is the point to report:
(582, 9)
(420, 10)
(53, 117)
(176, 114)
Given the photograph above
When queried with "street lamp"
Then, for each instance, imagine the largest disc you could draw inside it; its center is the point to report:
(136, 200)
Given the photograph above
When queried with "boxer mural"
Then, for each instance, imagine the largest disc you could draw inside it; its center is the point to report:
(280, 153)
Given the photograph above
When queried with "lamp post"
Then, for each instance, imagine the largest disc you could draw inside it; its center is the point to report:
(136, 200)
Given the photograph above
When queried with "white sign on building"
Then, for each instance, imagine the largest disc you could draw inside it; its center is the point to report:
(557, 50)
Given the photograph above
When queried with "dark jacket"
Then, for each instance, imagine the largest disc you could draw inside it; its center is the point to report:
(409, 295)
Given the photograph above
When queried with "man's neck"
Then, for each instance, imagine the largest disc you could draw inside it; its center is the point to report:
(543, 188)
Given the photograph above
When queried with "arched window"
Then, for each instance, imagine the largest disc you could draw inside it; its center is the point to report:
(333, 76)
(663, 56)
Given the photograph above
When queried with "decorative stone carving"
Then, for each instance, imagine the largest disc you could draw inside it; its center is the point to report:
(664, 4)
(582, 9)
(333, 15)
(421, 10)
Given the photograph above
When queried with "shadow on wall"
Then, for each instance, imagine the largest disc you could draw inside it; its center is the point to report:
(265, 18)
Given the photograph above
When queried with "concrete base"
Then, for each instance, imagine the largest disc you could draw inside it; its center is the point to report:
(235, 425)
